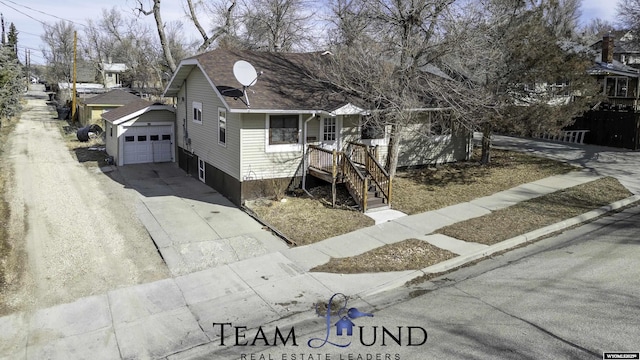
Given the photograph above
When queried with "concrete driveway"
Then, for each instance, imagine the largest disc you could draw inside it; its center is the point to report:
(193, 226)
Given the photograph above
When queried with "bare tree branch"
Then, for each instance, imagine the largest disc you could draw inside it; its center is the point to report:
(166, 50)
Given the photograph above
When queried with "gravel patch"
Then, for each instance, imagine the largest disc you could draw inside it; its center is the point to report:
(73, 230)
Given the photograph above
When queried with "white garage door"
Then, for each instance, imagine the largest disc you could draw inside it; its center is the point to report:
(145, 144)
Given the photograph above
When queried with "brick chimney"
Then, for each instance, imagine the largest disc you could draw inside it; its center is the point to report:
(607, 48)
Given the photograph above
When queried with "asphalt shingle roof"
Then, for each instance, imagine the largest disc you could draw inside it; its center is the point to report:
(125, 110)
(285, 82)
(113, 97)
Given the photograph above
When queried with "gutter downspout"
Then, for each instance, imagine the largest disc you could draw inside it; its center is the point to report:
(304, 155)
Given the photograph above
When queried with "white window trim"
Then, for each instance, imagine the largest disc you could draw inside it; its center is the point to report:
(202, 169)
(196, 105)
(282, 147)
(338, 132)
(226, 128)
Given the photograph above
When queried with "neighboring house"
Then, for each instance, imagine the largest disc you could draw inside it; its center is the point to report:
(248, 146)
(619, 81)
(615, 121)
(621, 46)
(112, 74)
(90, 110)
(140, 132)
(85, 84)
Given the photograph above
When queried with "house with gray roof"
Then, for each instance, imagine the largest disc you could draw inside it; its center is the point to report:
(286, 130)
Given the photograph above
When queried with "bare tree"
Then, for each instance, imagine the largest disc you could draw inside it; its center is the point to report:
(207, 40)
(388, 61)
(517, 74)
(117, 38)
(222, 12)
(58, 53)
(594, 30)
(164, 43)
(562, 16)
(629, 16)
(275, 25)
(348, 24)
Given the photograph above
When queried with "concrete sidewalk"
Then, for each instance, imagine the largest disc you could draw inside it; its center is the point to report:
(173, 318)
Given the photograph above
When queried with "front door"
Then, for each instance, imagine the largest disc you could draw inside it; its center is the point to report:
(330, 133)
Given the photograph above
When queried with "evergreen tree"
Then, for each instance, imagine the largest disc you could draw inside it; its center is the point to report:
(13, 39)
(10, 83)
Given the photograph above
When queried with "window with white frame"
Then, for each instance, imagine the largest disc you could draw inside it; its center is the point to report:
(222, 126)
(197, 112)
(329, 129)
(284, 129)
(616, 86)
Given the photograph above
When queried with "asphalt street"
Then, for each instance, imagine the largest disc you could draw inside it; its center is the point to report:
(571, 296)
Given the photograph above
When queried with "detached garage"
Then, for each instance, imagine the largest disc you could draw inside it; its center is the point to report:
(140, 132)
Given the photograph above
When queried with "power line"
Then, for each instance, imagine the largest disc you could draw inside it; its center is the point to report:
(23, 13)
(36, 10)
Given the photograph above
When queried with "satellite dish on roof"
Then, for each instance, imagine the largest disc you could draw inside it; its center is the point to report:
(245, 73)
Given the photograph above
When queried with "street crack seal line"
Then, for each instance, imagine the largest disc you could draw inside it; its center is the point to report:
(574, 345)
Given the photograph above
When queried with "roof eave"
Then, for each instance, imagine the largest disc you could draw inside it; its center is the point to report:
(179, 76)
(140, 112)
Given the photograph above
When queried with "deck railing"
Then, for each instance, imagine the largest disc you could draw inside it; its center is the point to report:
(356, 182)
(379, 176)
(368, 157)
(358, 152)
(323, 159)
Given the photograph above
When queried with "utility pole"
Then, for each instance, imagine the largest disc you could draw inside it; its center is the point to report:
(4, 40)
(75, 59)
(26, 64)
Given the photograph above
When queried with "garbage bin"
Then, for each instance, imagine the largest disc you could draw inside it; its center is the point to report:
(63, 113)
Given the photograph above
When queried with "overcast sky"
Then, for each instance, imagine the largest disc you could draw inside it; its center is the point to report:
(27, 15)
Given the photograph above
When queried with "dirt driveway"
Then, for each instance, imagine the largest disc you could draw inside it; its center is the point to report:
(73, 231)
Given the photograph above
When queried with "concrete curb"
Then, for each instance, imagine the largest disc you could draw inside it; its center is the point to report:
(503, 245)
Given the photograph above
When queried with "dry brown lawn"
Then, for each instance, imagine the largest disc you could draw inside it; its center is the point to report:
(305, 221)
(89, 153)
(411, 254)
(537, 213)
(426, 189)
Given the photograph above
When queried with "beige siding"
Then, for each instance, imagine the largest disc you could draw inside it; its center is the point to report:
(111, 132)
(418, 147)
(153, 116)
(204, 137)
(181, 116)
(313, 130)
(350, 130)
(259, 164)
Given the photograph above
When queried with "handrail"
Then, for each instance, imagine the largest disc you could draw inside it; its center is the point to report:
(379, 176)
(323, 159)
(358, 152)
(355, 181)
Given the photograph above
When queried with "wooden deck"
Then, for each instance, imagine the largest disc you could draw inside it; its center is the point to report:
(366, 180)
